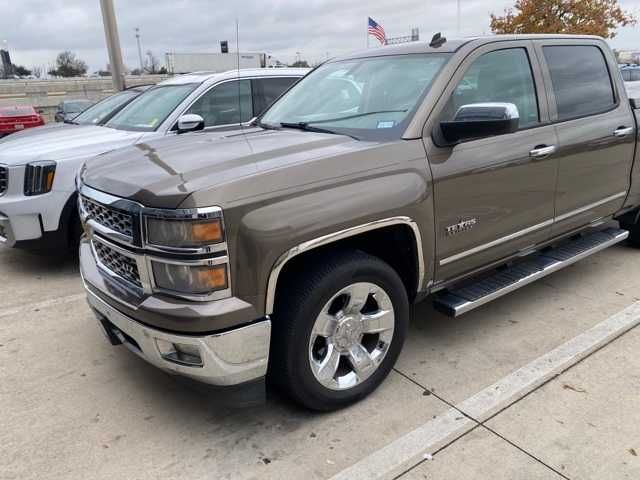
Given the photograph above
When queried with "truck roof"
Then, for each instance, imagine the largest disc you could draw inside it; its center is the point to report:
(452, 45)
(212, 77)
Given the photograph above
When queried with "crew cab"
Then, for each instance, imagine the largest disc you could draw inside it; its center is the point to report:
(38, 168)
(454, 171)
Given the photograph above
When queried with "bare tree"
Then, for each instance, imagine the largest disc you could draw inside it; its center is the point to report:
(68, 65)
(152, 64)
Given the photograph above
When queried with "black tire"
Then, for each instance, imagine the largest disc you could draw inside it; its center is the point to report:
(298, 304)
(634, 233)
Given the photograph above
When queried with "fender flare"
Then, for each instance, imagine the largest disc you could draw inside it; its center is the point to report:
(339, 235)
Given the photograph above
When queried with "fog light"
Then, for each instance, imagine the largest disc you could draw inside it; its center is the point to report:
(180, 353)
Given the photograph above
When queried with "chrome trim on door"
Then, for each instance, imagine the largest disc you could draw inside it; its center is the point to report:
(586, 208)
(513, 236)
(542, 152)
(333, 237)
(495, 243)
(623, 132)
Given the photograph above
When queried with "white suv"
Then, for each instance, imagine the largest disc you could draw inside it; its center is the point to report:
(38, 167)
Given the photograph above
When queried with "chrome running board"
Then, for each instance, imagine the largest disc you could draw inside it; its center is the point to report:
(461, 299)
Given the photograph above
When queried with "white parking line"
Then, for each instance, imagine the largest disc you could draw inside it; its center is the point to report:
(410, 449)
(41, 305)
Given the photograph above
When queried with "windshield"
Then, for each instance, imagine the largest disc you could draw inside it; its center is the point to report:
(96, 114)
(371, 98)
(149, 110)
(75, 107)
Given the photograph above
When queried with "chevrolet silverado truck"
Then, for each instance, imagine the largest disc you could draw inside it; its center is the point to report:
(290, 253)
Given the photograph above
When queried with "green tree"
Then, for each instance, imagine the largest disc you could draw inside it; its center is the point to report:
(587, 17)
(68, 65)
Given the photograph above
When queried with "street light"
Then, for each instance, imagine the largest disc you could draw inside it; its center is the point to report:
(139, 51)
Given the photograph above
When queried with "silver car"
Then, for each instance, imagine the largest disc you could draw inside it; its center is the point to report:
(38, 167)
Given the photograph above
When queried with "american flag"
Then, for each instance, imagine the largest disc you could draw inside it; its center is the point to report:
(377, 31)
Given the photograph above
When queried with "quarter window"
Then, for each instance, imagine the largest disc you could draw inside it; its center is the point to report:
(502, 76)
(225, 104)
(267, 90)
(581, 81)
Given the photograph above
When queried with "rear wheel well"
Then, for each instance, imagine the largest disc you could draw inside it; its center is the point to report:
(394, 244)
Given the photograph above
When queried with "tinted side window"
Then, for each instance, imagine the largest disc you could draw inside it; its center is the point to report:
(626, 75)
(581, 81)
(269, 90)
(502, 76)
(225, 104)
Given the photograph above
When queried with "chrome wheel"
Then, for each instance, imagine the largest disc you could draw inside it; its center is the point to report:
(351, 336)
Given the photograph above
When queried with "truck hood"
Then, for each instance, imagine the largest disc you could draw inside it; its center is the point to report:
(163, 173)
(60, 142)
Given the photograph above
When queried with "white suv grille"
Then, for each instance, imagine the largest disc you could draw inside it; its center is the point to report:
(4, 179)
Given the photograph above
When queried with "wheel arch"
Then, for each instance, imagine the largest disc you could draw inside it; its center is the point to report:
(354, 237)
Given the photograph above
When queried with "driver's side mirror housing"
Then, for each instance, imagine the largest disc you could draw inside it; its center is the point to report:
(190, 123)
(479, 120)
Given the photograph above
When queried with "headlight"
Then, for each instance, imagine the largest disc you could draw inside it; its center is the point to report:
(38, 178)
(184, 233)
(190, 279)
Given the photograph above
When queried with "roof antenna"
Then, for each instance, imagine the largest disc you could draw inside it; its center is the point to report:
(437, 41)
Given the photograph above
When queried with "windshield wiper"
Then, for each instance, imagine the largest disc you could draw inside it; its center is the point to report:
(308, 128)
(71, 122)
(348, 117)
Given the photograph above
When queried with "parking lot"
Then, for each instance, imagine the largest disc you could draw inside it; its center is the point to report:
(75, 407)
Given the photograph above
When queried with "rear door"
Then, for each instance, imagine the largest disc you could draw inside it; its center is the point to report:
(595, 131)
(498, 188)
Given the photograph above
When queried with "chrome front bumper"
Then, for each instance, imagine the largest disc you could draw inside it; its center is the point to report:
(230, 358)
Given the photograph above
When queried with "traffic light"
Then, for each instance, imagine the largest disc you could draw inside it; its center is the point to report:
(224, 46)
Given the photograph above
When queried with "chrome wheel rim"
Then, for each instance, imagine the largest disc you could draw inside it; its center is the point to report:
(351, 336)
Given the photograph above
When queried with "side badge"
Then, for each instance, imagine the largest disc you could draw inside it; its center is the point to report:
(462, 226)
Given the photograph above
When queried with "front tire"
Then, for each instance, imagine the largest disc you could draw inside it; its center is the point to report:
(338, 329)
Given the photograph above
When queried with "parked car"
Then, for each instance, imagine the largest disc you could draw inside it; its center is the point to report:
(633, 89)
(457, 172)
(18, 118)
(630, 73)
(38, 201)
(69, 109)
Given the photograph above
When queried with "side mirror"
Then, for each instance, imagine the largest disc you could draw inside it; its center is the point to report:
(479, 120)
(190, 123)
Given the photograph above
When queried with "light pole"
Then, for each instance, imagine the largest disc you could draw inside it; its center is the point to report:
(458, 18)
(139, 51)
(113, 43)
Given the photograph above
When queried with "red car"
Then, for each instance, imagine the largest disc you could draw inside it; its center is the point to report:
(14, 119)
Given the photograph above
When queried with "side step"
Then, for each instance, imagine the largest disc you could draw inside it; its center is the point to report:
(461, 299)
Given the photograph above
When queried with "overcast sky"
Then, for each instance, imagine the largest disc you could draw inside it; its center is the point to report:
(36, 30)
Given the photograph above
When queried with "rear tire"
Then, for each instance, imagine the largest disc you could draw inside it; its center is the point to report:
(634, 233)
(338, 328)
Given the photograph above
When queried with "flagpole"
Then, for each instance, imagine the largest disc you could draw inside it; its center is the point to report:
(367, 30)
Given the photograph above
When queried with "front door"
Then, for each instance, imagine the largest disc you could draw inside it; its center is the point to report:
(595, 132)
(493, 196)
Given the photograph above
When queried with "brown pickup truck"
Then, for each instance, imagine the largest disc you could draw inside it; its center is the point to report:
(291, 251)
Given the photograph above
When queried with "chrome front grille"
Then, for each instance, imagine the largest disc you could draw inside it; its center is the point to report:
(109, 217)
(4, 179)
(121, 265)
